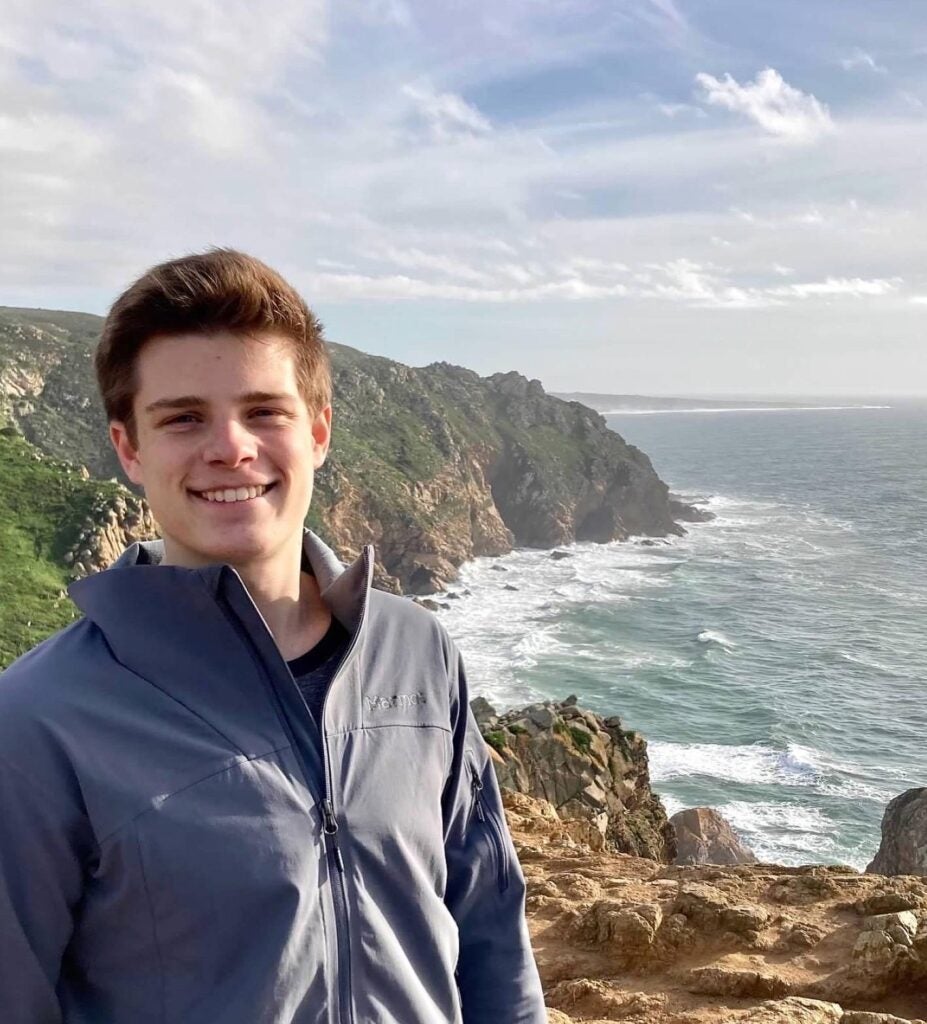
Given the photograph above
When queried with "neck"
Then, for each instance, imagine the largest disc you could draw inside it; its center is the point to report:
(287, 598)
(292, 608)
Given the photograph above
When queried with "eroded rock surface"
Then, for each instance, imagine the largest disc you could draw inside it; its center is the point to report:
(624, 938)
(704, 837)
(903, 850)
(592, 770)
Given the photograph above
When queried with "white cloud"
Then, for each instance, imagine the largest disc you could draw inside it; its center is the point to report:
(673, 110)
(860, 59)
(855, 287)
(446, 114)
(700, 286)
(400, 286)
(419, 159)
(812, 217)
(772, 103)
(580, 277)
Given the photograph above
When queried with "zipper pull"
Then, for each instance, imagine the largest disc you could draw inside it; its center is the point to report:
(330, 828)
(330, 825)
(476, 787)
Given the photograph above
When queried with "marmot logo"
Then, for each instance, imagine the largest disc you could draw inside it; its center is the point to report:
(398, 700)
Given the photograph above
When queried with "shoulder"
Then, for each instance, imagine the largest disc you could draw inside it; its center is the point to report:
(70, 648)
(39, 688)
(419, 628)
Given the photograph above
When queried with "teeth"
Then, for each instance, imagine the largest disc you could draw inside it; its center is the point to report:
(234, 493)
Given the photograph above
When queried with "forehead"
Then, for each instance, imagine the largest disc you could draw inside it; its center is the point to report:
(217, 362)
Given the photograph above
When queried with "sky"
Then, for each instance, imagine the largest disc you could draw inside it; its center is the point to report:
(630, 196)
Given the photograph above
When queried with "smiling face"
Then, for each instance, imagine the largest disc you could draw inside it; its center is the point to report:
(225, 448)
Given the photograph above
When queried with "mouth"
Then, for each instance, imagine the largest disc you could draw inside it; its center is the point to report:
(232, 495)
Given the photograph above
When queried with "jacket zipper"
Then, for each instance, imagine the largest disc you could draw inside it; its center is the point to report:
(330, 826)
(331, 829)
(496, 840)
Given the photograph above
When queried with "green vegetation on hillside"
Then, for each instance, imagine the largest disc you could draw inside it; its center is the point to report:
(433, 464)
(43, 503)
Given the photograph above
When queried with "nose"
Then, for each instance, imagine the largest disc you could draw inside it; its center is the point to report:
(229, 443)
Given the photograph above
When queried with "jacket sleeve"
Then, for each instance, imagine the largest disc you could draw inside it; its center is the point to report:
(41, 879)
(496, 971)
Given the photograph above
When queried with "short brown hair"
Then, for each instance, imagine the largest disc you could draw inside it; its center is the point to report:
(218, 290)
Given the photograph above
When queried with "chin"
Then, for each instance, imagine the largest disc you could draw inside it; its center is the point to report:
(234, 550)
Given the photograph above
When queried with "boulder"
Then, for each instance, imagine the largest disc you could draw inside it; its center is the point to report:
(903, 850)
(626, 930)
(795, 1010)
(704, 837)
(588, 996)
(718, 980)
(592, 770)
(484, 713)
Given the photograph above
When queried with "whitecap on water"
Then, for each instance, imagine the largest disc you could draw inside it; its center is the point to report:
(716, 638)
(783, 833)
(534, 645)
(754, 763)
(870, 663)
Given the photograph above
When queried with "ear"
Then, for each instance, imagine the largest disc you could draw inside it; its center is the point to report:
(126, 452)
(321, 436)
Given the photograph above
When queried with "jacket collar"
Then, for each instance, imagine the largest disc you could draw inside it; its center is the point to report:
(180, 630)
(110, 598)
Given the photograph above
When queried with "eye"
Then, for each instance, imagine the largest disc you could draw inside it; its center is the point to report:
(264, 413)
(182, 420)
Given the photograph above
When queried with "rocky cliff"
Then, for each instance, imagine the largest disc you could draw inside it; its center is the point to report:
(903, 850)
(621, 934)
(434, 465)
(590, 769)
(622, 938)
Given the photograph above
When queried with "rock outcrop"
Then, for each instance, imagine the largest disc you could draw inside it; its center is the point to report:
(704, 837)
(113, 524)
(590, 769)
(903, 850)
(433, 465)
(622, 938)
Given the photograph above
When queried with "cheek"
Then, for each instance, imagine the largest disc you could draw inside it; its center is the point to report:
(161, 465)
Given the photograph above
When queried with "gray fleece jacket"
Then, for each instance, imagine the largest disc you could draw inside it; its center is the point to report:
(174, 849)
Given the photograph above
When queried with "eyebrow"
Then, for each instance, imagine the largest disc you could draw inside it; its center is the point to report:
(195, 401)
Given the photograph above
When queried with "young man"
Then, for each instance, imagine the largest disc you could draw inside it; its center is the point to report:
(245, 788)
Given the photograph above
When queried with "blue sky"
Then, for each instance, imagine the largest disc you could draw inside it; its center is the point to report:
(651, 196)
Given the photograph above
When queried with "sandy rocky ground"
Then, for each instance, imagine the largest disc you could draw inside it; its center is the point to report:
(623, 938)
(622, 931)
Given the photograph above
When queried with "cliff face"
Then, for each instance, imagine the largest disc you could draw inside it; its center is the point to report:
(591, 770)
(438, 465)
(434, 465)
(620, 933)
(113, 523)
(903, 850)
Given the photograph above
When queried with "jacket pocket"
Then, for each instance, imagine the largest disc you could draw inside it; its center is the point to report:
(481, 817)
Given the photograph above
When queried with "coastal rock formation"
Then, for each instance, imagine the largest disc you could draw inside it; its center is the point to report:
(704, 837)
(591, 770)
(619, 937)
(903, 850)
(113, 524)
(438, 465)
(433, 465)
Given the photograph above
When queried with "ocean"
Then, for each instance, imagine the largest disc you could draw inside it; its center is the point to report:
(775, 658)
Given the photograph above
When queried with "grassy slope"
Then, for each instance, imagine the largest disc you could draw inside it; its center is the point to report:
(43, 503)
